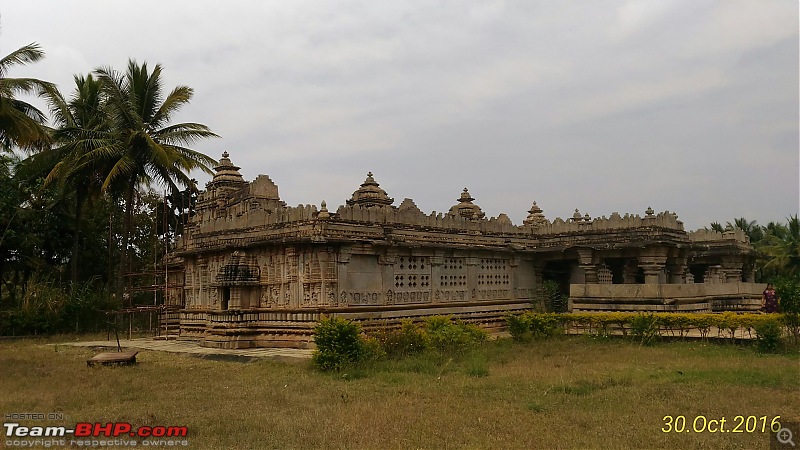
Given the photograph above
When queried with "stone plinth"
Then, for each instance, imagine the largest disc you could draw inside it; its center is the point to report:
(700, 297)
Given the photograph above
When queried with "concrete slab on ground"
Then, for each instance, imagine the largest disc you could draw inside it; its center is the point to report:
(193, 348)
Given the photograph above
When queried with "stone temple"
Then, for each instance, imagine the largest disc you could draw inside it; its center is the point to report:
(250, 271)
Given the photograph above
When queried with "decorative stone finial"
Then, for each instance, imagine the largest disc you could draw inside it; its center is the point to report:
(535, 216)
(587, 218)
(370, 194)
(465, 197)
(577, 216)
(649, 211)
(323, 212)
(465, 208)
(227, 173)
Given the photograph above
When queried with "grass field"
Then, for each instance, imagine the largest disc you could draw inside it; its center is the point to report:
(571, 392)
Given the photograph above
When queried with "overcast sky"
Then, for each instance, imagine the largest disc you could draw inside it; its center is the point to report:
(688, 105)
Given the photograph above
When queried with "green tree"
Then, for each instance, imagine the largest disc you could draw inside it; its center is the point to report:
(34, 233)
(80, 127)
(783, 246)
(22, 124)
(146, 147)
(776, 229)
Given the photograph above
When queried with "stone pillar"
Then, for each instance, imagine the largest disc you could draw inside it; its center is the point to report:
(513, 267)
(328, 287)
(202, 300)
(652, 261)
(538, 272)
(749, 273)
(629, 272)
(471, 264)
(677, 270)
(587, 262)
(732, 269)
(341, 271)
(293, 278)
(652, 273)
(713, 275)
(387, 261)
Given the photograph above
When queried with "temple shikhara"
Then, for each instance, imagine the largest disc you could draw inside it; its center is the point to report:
(251, 271)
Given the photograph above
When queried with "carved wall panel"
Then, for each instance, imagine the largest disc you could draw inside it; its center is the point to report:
(318, 278)
(275, 285)
(412, 273)
(411, 282)
(452, 280)
(453, 273)
(494, 279)
(493, 273)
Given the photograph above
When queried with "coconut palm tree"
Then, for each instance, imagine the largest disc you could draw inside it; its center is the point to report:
(776, 229)
(80, 127)
(784, 247)
(146, 147)
(750, 228)
(21, 124)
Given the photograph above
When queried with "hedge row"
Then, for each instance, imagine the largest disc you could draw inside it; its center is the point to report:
(341, 343)
(531, 324)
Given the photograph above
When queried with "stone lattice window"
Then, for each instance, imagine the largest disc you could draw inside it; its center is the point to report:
(604, 275)
(453, 280)
(493, 273)
(452, 273)
(412, 273)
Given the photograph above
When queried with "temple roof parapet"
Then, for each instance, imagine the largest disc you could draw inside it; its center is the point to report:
(704, 235)
(252, 213)
(584, 223)
(234, 207)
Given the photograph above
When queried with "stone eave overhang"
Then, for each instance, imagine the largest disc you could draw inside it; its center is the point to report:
(345, 232)
(720, 248)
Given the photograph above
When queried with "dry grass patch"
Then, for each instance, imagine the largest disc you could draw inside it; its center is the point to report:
(572, 392)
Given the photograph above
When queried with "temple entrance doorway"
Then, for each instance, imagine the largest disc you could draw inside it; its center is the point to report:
(226, 297)
(560, 272)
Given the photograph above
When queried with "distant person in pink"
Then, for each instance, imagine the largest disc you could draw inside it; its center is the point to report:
(769, 300)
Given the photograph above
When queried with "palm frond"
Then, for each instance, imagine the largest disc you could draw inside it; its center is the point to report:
(24, 55)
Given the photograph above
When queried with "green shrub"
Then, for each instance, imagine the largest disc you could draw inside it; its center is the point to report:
(446, 337)
(371, 350)
(339, 344)
(788, 289)
(644, 328)
(529, 325)
(46, 308)
(768, 335)
(408, 340)
(544, 325)
(550, 296)
(517, 326)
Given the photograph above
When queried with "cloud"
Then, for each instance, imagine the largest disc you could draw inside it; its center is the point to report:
(605, 106)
